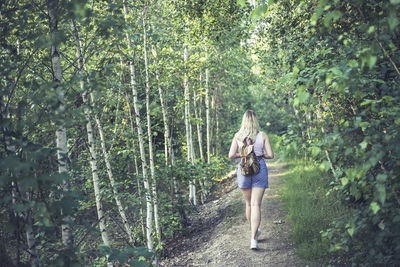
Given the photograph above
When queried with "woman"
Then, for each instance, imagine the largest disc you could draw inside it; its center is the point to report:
(252, 186)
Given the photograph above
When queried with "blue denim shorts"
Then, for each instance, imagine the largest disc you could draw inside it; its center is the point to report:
(259, 180)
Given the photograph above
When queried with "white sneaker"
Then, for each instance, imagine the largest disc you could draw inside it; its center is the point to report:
(254, 244)
(258, 233)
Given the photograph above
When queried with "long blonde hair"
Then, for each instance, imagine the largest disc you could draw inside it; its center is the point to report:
(249, 127)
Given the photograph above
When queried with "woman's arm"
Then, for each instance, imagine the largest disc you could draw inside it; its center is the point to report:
(232, 152)
(267, 146)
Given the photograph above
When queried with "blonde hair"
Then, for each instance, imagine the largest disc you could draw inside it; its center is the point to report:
(249, 127)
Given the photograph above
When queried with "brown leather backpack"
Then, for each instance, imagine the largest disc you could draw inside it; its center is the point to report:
(248, 164)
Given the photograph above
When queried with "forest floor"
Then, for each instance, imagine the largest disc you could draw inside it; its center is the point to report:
(220, 236)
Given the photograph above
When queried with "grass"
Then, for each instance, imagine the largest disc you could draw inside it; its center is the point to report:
(310, 209)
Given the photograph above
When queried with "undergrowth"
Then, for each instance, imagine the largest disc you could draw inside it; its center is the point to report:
(310, 209)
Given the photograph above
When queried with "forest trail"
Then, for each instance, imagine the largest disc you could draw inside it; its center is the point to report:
(220, 236)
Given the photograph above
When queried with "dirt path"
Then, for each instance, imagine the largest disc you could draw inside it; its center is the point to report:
(220, 236)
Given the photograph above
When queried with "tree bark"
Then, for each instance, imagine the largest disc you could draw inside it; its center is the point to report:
(117, 199)
(149, 216)
(208, 116)
(192, 188)
(136, 167)
(92, 150)
(61, 136)
(103, 145)
(217, 103)
(149, 132)
(167, 143)
(197, 114)
(30, 236)
(95, 177)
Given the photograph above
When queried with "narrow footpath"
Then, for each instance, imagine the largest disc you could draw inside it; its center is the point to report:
(220, 236)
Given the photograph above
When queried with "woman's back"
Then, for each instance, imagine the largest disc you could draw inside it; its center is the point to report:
(258, 144)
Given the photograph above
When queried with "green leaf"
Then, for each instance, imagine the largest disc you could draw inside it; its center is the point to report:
(371, 60)
(315, 151)
(324, 166)
(374, 207)
(381, 178)
(395, 2)
(258, 12)
(381, 225)
(241, 3)
(351, 231)
(344, 181)
(381, 193)
(371, 29)
(352, 63)
(302, 95)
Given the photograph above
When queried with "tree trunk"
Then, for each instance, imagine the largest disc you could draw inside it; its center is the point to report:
(208, 117)
(103, 145)
(120, 207)
(61, 136)
(163, 108)
(11, 150)
(149, 133)
(192, 188)
(30, 235)
(217, 108)
(193, 155)
(149, 216)
(199, 137)
(136, 167)
(95, 177)
(197, 114)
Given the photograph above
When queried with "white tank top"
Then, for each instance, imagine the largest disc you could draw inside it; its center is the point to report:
(258, 145)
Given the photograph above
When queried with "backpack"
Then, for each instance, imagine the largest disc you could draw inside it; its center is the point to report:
(248, 164)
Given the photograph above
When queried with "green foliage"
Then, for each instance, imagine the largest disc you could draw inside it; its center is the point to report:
(333, 67)
(311, 208)
(321, 75)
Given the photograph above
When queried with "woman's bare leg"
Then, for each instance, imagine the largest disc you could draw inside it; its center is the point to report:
(247, 198)
(255, 213)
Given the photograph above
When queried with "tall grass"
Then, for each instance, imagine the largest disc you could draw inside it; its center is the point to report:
(310, 209)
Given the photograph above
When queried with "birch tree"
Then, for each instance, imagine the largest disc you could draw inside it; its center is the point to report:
(199, 137)
(149, 215)
(92, 151)
(189, 146)
(149, 132)
(208, 133)
(167, 140)
(30, 235)
(61, 135)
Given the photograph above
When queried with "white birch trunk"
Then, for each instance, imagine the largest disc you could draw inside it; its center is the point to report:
(95, 177)
(212, 126)
(149, 133)
(103, 145)
(136, 166)
(197, 114)
(217, 103)
(163, 109)
(149, 215)
(199, 137)
(208, 127)
(61, 136)
(117, 199)
(192, 189)
(30, 236)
